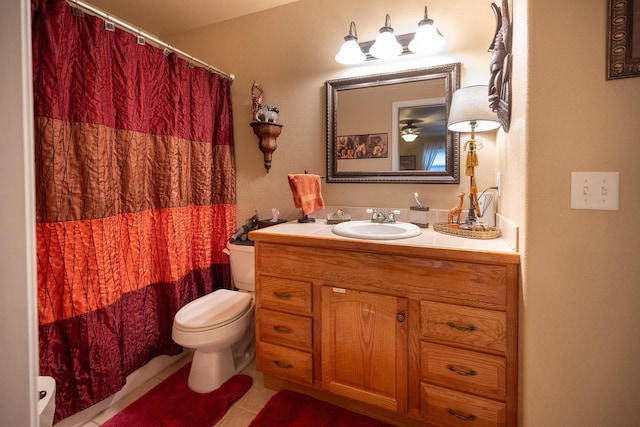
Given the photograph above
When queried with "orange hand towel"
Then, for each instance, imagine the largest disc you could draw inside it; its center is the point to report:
(306, 192)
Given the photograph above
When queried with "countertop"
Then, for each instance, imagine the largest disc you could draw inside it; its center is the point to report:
(427, 239)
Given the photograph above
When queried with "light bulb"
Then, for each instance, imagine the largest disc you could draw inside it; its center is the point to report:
(427, 39)
(350, 52)
(386, 45)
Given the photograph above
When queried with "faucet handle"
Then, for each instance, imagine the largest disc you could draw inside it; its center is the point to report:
(392, 214)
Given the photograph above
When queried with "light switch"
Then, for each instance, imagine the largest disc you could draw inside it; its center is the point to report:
(595, 190)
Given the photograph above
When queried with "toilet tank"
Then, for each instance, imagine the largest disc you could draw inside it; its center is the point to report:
(242, 258)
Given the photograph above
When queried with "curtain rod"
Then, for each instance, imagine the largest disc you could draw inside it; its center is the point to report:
(136, 31)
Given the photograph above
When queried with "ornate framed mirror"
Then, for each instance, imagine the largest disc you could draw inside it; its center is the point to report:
(392, 127)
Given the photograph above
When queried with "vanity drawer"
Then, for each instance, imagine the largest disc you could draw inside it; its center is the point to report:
(286, 329)
(285, 363)
(474, 327)
(464, 370)
(447, 408)
(284, 294)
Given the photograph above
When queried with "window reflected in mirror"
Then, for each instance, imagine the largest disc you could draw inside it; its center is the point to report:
(420, 130)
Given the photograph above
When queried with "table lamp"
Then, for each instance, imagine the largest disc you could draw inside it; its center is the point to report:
(470, 112)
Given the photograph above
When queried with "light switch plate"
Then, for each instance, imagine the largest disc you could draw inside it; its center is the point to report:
(595, 190)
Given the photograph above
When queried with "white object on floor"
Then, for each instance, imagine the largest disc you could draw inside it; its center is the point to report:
(47, 404)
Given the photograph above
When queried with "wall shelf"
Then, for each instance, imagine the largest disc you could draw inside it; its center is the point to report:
(267, 134)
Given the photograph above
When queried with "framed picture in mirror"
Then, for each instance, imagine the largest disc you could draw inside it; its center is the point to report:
(369, 146)
(407, 163)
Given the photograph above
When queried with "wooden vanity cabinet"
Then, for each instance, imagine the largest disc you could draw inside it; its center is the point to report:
(409, 335)
(284, 328)
(364, 346)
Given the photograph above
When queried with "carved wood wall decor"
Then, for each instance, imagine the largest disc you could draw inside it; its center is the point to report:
(624, 39)
(500, 80)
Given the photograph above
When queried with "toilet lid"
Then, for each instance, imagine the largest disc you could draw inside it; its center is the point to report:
(212, 310)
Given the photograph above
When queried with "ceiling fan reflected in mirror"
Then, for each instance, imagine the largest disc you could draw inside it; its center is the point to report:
(410, 131)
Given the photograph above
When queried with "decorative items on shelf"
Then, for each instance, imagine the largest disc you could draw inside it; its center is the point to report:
(265, 126)
(268, 113)
(267, 134)
(426, 40)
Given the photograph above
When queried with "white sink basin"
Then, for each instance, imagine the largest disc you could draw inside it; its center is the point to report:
(376, 231)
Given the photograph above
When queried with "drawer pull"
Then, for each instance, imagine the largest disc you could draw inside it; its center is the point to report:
(461, 328)
(460, 372)
(283, 365)
(282, 329)
(401, 317)
(282, 296)
(461, 416)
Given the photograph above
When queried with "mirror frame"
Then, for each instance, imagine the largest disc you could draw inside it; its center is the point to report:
(451, 75)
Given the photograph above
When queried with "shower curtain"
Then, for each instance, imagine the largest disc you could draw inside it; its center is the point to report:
(135, 198)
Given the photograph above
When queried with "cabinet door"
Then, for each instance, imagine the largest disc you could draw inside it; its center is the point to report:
(364, 346)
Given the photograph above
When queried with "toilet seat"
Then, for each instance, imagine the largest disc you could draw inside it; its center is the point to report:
(212, 311)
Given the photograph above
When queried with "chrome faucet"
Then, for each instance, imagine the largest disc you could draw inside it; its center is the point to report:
(382, 216)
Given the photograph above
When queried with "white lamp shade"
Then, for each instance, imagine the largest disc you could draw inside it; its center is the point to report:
(386, 46)
(350, 53)
(471, 104)
(409, 137)
(426, 40)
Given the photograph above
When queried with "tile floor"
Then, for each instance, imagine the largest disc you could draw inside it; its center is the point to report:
(240, 414)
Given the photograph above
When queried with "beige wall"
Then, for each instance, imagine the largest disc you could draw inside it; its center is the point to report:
(581, 287)
(580, 338)
(290, 51)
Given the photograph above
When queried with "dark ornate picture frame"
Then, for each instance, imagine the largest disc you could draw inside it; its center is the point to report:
(623, 53)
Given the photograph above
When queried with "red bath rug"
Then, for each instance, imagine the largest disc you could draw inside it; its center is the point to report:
(172, 404)
(291, 409)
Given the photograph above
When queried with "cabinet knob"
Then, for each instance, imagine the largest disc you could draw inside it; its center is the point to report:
(401, 318)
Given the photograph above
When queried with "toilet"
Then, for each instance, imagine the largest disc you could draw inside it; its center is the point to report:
(220, 326)
(46, 400)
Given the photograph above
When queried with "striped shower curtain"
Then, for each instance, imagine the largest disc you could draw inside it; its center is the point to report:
(135, 199)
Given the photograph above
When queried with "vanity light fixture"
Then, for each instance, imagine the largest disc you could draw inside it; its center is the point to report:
(427, 39)
(386, 45)
(470, 112)
(351, 52)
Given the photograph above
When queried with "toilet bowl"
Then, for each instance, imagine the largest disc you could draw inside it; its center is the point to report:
(47, 400)
(220, 326)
